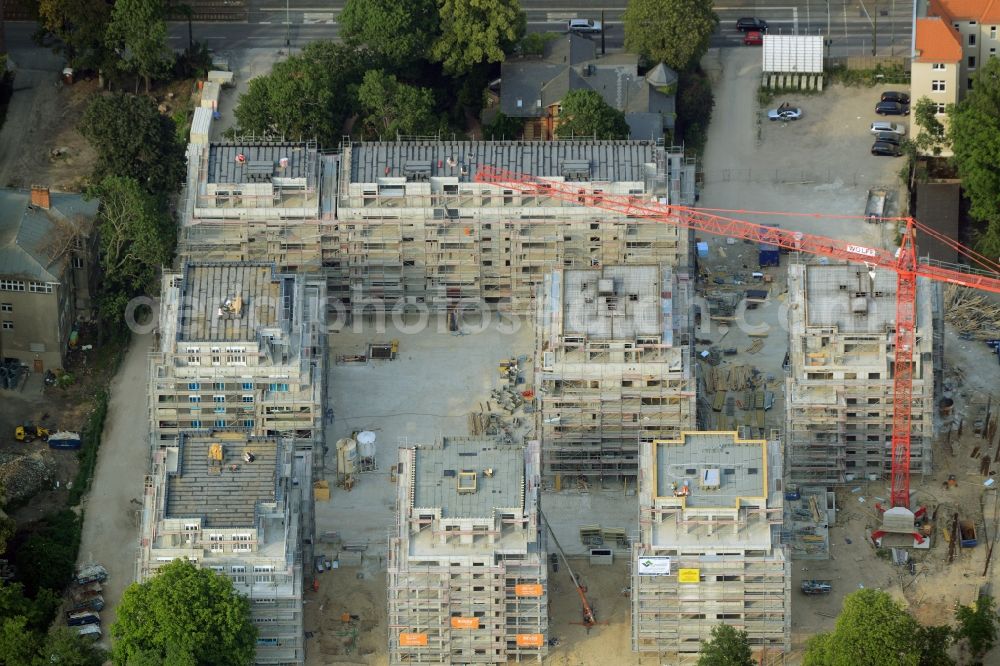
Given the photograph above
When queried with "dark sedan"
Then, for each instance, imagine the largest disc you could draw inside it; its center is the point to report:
(885, 149)
(889, 137)
(746, 24)
(895, 96)
(892, 109)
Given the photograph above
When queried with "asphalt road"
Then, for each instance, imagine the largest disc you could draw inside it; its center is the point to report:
(849, 23)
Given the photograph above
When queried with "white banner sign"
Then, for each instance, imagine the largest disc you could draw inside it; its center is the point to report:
(653, 566)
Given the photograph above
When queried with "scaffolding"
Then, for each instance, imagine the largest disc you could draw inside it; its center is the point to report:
(840, 386)
(613, 368)
(467, 576)
(709, 547)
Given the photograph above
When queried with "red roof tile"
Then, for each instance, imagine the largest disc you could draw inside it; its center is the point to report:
(937, 41)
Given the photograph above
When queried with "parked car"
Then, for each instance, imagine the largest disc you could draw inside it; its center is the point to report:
(785, 112)
(889, 137)
(895, 96)
(83, 617)
(587, 26)
(94, 602)
(747, 24)
(816, 587)
(91, 573)
(892, 109)
(886, 126)
(885, 149)
(91, 631)
(753, 38)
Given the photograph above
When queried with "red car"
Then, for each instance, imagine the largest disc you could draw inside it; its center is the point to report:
(753, 38)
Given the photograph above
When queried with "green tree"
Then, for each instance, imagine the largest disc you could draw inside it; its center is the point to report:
(132, 138)
(138, 32)
(136, 235)
(46, 557)
(66, 648)
(695, 102)
(728, 647)
(503, 127)
(977, 625)
(307, 96)
(872, 629)
(934, 643)
(396, 108)
(184, 615)
(396, 32)
(18, 643)
(974, 130)
(675, 32)
(477, 31)
(79, 29)
(932, 137)
(585, 113)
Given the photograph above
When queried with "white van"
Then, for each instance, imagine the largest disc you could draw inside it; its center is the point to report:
(587, 26)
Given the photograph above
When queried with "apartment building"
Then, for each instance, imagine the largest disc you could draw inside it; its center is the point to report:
(467, 574)
(416, 229)
(952, 38)
(239, 346)
(226, 501)
(839, 391)
(709, 549)
(613, 367)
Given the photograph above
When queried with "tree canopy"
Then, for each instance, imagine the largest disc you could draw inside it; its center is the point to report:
(307, 96)
(977, 625)
(393, 108)
(872, 629)
(728, 647)
(184, 615)
(23, 637)
(477, 31)
(974, 130)
(932, 138)
(394, 31)
(136, 234)
(585, 113)
(132, 138)
(675, 32)
(79, 28)
(138, 32)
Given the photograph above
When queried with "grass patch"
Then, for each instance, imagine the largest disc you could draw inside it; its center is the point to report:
(861, 78)
(91, 434)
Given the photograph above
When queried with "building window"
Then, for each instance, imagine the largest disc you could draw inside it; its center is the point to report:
(194, 398)
(6, 307)
(247, 386)
(993, 52)
(236, 355)
(194, 386)
(241, 543)
(993, 32)
(239, 574)
(939, 108)
(218, 398)
(220, 423)
(972, 39)
(969, 86)
(220, 386)
(77, 262)
(263, 573)
(191, 527)
(40, 287)
(248, 423)
(278, 388)
(247, 398)
(196, 424)
(938, 66)
(216, 543)
(217, 568)
(11, 285)
(937, 86)
(220, 410)
(8, 325)
(972, 62)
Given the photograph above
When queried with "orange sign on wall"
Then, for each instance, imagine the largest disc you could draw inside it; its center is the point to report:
(412, 640)
(465, 623)
(530, 640)
(528, 590)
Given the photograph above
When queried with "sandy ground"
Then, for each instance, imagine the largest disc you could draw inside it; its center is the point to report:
(110, 530)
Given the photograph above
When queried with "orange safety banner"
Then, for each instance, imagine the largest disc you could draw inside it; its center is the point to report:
(412, 640)
(528, 590)
(530, 640)
(465, 623)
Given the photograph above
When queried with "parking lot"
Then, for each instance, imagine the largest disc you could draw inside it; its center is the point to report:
(819, 164)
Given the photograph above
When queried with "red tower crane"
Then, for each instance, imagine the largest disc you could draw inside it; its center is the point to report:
(903, 261)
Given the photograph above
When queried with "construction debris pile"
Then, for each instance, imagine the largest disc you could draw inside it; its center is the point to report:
(972, 313)
(22, 476)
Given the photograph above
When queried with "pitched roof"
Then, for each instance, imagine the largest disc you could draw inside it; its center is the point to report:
(26, 233)
(937, 41)
(984, 11)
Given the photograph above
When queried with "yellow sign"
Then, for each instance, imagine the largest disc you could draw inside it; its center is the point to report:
(688, 575)
(530, 640)
(412, 640)
(528, 590)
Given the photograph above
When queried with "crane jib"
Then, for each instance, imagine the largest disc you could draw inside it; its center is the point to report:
(861, 249)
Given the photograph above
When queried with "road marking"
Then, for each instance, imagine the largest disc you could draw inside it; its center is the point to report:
(556, 17)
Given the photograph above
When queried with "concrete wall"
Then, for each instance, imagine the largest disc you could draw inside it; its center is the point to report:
(36, 334)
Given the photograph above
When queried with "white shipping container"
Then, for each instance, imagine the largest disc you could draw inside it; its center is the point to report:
(201, 126)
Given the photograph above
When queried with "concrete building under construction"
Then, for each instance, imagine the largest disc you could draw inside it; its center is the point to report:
(226, 501)
(467, 575)
(240, 346)
(709, 549)
(613, 367)
(839, 392)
